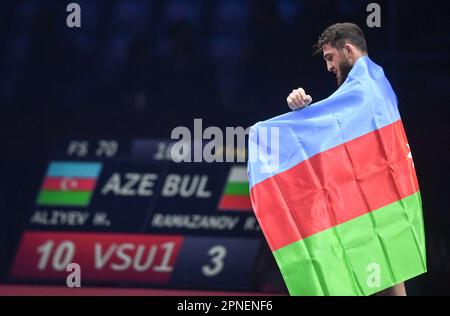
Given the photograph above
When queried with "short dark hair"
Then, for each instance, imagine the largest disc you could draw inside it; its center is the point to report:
(337, 35)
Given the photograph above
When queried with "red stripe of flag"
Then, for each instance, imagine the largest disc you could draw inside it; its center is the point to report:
(335, 186)
(68, 184)
(235, 202)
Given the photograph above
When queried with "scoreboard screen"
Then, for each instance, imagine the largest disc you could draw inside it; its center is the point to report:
(126, 213)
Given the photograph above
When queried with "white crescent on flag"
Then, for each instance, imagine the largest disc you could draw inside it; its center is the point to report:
(410, 155)
(68, 183)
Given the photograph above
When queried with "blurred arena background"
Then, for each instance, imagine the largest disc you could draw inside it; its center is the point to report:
(137, 69)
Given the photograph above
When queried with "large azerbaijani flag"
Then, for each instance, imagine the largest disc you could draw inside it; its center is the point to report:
(69, 183)
(340, 206)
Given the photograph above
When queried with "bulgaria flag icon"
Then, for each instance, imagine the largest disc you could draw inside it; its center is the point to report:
(236, 196)
(69, 183)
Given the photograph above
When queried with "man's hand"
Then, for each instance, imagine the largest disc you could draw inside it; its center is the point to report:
(298, 99)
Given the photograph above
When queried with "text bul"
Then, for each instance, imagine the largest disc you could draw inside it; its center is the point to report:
(186, 186)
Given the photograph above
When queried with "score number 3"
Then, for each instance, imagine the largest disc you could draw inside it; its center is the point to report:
(217, 254)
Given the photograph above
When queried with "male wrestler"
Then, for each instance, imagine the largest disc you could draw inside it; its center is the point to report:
(341, 44)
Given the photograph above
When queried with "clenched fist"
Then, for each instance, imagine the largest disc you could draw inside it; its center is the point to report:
(298, 99)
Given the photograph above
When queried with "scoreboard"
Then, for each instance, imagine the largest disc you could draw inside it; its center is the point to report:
(128, 214)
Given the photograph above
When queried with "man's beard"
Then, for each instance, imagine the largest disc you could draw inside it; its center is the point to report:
(344, 69)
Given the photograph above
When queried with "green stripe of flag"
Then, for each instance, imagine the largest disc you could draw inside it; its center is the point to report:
(237, 188)
(77, 198)
(342, 260)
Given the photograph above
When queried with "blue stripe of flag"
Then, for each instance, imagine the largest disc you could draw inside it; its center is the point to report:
(363, 104)
(74, 169)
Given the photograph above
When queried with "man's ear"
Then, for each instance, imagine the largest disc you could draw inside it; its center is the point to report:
(348, 49)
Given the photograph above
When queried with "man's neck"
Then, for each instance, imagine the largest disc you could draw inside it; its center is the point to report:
(357, 56)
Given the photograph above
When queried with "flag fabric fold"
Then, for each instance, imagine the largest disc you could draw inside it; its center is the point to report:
(334, 189)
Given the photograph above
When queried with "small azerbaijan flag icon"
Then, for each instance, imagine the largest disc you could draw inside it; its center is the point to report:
(69, 183)
(236, 196)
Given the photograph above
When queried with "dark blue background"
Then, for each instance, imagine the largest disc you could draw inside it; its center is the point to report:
(138, 69)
